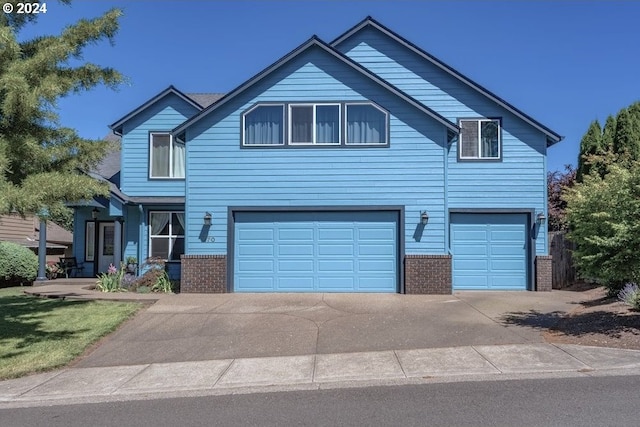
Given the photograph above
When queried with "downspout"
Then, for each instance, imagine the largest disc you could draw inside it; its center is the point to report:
(447, 147)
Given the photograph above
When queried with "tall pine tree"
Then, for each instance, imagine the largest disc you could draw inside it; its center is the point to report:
(626, 145)
(590, 145)
(41, 160)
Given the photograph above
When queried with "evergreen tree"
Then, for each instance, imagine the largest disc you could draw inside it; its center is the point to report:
(590, 145)
(626, 145)
(40, 160)
(608, 133)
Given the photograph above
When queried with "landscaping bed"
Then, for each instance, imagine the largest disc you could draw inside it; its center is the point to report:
(598, 320)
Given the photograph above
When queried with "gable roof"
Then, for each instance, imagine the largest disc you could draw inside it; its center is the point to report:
(552, 137)
(198, 100)
(314, 41)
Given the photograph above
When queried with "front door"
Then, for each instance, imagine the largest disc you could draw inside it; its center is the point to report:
(106, 236)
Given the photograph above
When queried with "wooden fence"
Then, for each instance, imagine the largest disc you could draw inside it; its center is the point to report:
(564, 272)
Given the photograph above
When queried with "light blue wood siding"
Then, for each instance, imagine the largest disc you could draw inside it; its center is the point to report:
(407, 173)
(133, 224)
(518, 181)
(164, 115)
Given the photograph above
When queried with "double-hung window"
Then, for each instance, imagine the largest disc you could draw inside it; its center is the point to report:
(167, 159)
(166, 235)
(480, 139)
(314, 124)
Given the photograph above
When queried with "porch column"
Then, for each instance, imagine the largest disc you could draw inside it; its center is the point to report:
(42, 248)
(117, 243)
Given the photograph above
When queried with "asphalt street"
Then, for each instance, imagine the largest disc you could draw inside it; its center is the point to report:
(566, 402)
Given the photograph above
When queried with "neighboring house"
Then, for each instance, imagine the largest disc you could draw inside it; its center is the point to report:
(363, 165)
(26, 232)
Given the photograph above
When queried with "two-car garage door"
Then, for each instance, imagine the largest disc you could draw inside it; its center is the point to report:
(490, 250)
(351, 251)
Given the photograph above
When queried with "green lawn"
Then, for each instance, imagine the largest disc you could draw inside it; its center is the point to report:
(38, 334)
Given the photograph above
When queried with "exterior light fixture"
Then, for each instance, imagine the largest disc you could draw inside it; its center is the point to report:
(424, 218)
(94, 213)
(207, 218)
(540, 218)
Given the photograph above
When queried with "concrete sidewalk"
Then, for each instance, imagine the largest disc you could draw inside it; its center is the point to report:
(311, 372)
(192, 344)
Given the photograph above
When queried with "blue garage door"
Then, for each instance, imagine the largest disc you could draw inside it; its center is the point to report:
(489, 251)
(316, 252)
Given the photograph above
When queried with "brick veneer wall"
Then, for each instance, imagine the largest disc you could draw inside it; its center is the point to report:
(203, 274)
(544, 273)
(427, 274)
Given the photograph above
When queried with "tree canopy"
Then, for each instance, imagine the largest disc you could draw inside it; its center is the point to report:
(40, 159)
(617, 143)
(603, 207)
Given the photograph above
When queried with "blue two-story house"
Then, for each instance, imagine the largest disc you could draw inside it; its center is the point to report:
(360, 165)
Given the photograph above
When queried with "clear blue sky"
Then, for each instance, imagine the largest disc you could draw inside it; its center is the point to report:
(564, 63)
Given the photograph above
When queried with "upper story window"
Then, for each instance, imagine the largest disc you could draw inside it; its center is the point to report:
(167, 156)
(480, 139)
(314, 124)
(264, 125)
(366, 124)
(166, 235)
(331, 124)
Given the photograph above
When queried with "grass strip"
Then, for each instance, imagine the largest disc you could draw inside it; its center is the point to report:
(39, 334)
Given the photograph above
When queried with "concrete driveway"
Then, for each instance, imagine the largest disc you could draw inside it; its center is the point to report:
(191, 327)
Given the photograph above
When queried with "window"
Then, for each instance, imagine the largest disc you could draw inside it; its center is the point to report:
(166, 235)
(264, 125)
(167, 156)
(480, 139)
(366, 124)
(334, 124)
(90, 241)
(314, 124)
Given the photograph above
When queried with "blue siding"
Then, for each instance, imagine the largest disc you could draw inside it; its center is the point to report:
(409, 172)
(489, 251)
(164, 115)
(518, 181)
(131, 232)
(316, 252)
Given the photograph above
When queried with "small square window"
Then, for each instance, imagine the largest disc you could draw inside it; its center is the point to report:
(264, 125)
(480, 139)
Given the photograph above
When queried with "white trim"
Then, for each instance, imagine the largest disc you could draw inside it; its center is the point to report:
(314, 123)
(169, 236)
(479, 156)
(171, 142)
(386, 124)
(258, 105)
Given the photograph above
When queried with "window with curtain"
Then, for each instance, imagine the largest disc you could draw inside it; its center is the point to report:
(479, 139)
(366, 124)
(90, 241)
(264, 125)
(314, 124)
(166, 235)
(167, 156)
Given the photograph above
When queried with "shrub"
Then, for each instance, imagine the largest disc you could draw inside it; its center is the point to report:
(630, 295)
(18, 265)
(604, 219)
(155, 277)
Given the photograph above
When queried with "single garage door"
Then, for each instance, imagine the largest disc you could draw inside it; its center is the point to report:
(316, 251)
(489, 251)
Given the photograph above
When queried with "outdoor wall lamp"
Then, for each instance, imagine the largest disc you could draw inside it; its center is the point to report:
(540, 218)
(207, 218)
(424, 218)
(94, 213)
